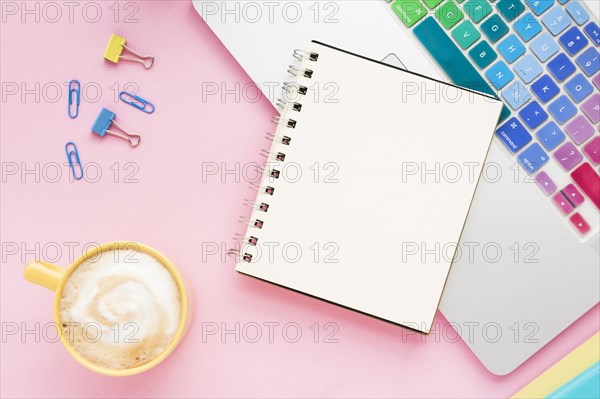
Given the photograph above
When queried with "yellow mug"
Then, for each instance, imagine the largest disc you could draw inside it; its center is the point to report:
(54, 278)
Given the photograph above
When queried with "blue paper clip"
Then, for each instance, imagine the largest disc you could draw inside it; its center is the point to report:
(137, 102)
(73, 157)
(102, 125)
(74, 91)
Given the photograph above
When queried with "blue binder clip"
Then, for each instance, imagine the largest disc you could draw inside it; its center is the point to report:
(73, 157)
(74, 98)
(103, 123)
(137, 102)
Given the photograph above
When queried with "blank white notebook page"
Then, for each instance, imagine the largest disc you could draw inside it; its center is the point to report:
(353, 203)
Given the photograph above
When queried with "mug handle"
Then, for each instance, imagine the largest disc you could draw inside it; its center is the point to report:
(44, 274)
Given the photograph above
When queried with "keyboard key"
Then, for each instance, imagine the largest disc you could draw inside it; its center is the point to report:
(483, 54)
(532, 158)
(500, 75)
(562, 109)
(516, 94)
(591, 107)
(527, 27)
(588, 181)
(562, 203)
(539, 6)
(513, 134)
(449, 57)
(593, 32)
(592, 150)
(409, 11)
(573, 40)
(528, 68)
(577, 12)
(563, 1)
(561, 67)
(550, 136)
(579, 223)
(432, 3)
(574, 196)
(579, 88)
(545, 89)
(580, 129)
(494, 28)
(466, 34)
(596, 80)
(533, 115)
(545, 183)
(510, 9)
(477, 9)
(544, 47)
(568, 156)
(511, 48)
(589, 61)
(556, 20)
(449, 14)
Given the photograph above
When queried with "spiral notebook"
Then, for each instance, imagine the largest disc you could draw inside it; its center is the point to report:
(367, 185)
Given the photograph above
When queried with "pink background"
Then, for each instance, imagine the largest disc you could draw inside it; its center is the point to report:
(173, 210)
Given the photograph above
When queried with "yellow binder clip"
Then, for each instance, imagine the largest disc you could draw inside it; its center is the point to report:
(115, 47)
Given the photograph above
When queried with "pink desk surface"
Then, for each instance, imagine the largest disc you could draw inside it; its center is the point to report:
(156, 194)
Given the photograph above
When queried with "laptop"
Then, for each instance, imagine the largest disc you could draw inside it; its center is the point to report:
(528, 262)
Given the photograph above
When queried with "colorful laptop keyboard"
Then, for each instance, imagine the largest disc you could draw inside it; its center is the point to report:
(541, 58)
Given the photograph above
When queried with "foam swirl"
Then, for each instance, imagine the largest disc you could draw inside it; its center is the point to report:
(125, 307)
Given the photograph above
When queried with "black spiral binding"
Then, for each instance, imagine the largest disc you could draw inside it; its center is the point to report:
(274, 156)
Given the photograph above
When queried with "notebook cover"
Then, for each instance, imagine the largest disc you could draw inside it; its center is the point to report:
(571, 376)
(356, 219)
(586, 385)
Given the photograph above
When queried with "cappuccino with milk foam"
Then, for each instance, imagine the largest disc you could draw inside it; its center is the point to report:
(121, 309)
